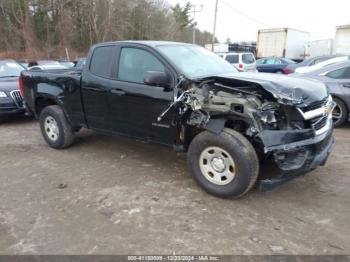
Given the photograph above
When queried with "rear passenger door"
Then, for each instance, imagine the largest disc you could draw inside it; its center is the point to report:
(268, 65)
(96, 81)
(271, 65)
(135, 106)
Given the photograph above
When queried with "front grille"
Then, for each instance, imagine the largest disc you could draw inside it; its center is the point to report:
(319, 123)
(17, 97)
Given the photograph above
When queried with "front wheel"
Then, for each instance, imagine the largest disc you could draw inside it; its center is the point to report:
(340, 112)
(224, 165)
(3, 119)
(55, 128)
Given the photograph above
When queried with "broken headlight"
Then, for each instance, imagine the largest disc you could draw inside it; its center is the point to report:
(268, 117)
(268, 114)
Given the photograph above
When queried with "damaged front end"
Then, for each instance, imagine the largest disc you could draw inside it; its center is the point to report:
(290, 126)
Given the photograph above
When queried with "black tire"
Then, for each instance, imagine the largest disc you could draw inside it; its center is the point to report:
(3, 119)
(280, 72)
(242, 152)
(343, 112)
(65, 131)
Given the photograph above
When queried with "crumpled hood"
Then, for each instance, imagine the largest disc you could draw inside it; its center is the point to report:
(286, 89)
(9, 84)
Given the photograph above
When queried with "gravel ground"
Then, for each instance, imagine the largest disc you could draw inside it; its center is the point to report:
(110, 195)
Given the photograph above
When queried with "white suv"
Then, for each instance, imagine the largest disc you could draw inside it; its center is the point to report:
(242, 61)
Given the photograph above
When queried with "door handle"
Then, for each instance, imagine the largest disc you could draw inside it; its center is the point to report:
(118, 92)
(96, 89)
(346, 85)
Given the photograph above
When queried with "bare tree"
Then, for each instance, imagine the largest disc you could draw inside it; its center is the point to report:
(47, 27)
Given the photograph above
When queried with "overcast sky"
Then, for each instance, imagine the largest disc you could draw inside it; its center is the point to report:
(240, 20)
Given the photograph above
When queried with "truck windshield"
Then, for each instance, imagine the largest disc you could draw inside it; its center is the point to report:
(195, 61)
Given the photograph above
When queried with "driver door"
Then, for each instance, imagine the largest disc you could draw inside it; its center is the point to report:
(134, 106)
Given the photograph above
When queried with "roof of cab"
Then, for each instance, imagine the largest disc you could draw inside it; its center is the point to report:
(142, 42)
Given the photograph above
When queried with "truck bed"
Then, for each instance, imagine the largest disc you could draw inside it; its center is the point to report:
(64, 86)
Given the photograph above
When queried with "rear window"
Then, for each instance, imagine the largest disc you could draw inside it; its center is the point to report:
(248, 59)
(232, 59)
(319, 60)
(101, 61)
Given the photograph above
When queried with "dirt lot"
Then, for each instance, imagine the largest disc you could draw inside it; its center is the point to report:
(110, 195)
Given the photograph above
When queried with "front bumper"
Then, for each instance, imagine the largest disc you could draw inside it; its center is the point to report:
(303, 156)
(12, 104)
(8, 107)
(303, 151)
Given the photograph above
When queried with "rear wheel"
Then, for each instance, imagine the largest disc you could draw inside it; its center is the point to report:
(55, 128)
(224, 165)
(280, 72)
(340, 112)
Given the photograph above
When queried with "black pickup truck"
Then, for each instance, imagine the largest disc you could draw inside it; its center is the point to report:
(186, 97)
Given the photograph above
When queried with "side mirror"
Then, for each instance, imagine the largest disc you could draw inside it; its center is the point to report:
(156, 78)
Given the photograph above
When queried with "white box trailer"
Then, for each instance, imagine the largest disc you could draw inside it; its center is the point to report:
(342, 40)
(319, 48)
(282, 42)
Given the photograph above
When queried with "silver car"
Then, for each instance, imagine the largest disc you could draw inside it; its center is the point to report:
(242, 61)
(337, 79)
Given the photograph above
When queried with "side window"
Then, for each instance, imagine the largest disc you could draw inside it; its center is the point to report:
(101, 61)
(270, 61)
(342, 73)
(232, 59)
(248, 58)
(260, 61)
(134, 63)
(316, 61)
(313, 62)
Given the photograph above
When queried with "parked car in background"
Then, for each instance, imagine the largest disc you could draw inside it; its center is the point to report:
(273, 65)
(42, 62)
(337, 79)
(67, 64)
(307, 62)
(80, 63)
(23, 63)
(46, 67)
(10, 97)
(243, 61)
(327, 62)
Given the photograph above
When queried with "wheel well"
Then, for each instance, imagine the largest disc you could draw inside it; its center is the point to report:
(43, 102)
(237, 125)
(345, 103)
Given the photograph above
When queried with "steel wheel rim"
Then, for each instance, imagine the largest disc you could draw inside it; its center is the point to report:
(217, 165)
(51, 128)
(337, 114)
